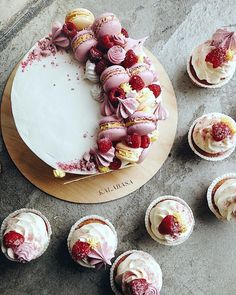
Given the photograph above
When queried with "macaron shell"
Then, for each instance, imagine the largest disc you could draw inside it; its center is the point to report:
(126, 153)
(80, 17)
(115, 134)
(147, 77)
(107, 24)
(142, 128)
(115, 79)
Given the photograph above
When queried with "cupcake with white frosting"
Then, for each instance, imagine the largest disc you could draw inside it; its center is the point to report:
(169, 220)
(213, 136)
(92, 242)
(221, 197)
(213, 63)
(136, 272)
(25, 235)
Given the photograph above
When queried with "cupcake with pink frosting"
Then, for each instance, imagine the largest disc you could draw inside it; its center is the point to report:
(134, 273)
(25, 235)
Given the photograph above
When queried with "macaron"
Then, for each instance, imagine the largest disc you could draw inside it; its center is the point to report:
(143, 71)
(141, 123)
(106, 24)
(127, 153)
(82, 43)
(113, 76)
(112, 127)
(80, 17)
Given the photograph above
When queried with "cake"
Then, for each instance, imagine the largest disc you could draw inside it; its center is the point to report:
(25, 235)
(92, 242)
(136, 273)
(213, 63)
(169, 220)
(213, 136)
(221, 197)
(98, 98)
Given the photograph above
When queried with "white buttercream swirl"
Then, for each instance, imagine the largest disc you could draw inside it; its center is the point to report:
(225, 199)
(171, 207)
(96, 92)
(90, 73)
(202, 134)
(205, 71)
(33, 228)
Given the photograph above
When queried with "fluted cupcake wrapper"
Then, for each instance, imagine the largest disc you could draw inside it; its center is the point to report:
(27, 210)
(196, 82)
(88, 217)
(147, 221)
(190, 142)
(209, 193)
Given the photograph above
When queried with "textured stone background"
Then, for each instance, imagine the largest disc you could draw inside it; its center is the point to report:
(205, 264)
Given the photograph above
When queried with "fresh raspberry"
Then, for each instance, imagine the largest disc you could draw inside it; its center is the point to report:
(138, 286)
(124, 32)
(95, 55)
(116, 93)
(133, 140)
(169, 226)
(116, 164)
(156, 89)
(106, 42)
(69, 29)
(13, 239)
(217, 56)
(130, 59)
(145, 141)
(220, 131)
(80, 250)
(101, 66)
(104, 145)
(136, 83)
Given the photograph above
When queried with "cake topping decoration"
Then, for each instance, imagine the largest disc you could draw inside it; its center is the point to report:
(58, 37)
(216, 57)
(116, 54)
(101, 255)
(80, 250)
(13, 239)
(224, 38)
(136, 83)
(220, 131)
(126, 107)
(59, 173)
(169, 226)
(130, 59)
(69, 29)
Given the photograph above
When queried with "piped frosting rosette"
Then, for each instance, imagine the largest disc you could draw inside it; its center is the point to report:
(25, 235)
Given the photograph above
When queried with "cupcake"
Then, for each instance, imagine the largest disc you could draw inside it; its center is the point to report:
(212, 136)
(25, 235)
(221, 197)
(134, 273)
(92, 241)
(213, 63)
(169, 220)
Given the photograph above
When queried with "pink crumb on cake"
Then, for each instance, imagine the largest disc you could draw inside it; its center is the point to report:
(81, 165)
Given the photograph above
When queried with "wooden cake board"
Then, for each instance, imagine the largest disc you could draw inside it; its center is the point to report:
(98, 188)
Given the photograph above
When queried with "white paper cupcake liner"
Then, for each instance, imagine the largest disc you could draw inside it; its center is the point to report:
(190, 142)
(79, 222)
(15, 213)
(147, 222)
(225, 81)
(112, 281)
(209, 193)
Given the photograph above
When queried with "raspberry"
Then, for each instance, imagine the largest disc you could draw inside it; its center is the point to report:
(169, 226)
(69, 29)
(101, 66)
(217, 56)
(116, 164)
(95, 55)
(145, 141)
(106, 42)
(130, 59)
(156, 89)
(133, 140)
(116, 93)
(136, 83)
(80, 250)
(138, 286)
(104, 145)
(124, 32)
(13, 239)
(220, 131)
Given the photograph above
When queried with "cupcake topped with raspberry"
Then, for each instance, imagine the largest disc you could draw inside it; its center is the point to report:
(213, 136)
(213, 63)
(92, 242)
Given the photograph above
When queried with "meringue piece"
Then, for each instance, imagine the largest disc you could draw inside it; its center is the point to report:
(59, 173)
(126, 107)
(107, 108)
(58, 37)
(102, 159)
(97, 93)
(90, 73)
(116, 54)
(136, 45)
(161, 112)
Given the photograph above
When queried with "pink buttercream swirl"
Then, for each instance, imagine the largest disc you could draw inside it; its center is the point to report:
(58, 37)
(103, 159)
(101, 255)
(136, 45)
(116, 54)
(126, 107)
(120, 40)
(25, 252)
(224, 38)
(107, 108)
(151, 290)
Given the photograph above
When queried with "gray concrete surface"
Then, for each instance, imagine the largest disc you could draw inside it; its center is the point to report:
(205, 264)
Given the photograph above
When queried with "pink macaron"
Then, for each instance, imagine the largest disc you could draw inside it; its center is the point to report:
(106, 24)
(112, 127)
(143, 71)
(82, 43)
(141, 123)
(113, 76)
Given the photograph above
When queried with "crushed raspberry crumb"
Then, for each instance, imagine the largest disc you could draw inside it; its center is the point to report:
(136, 83)
(220, 131)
